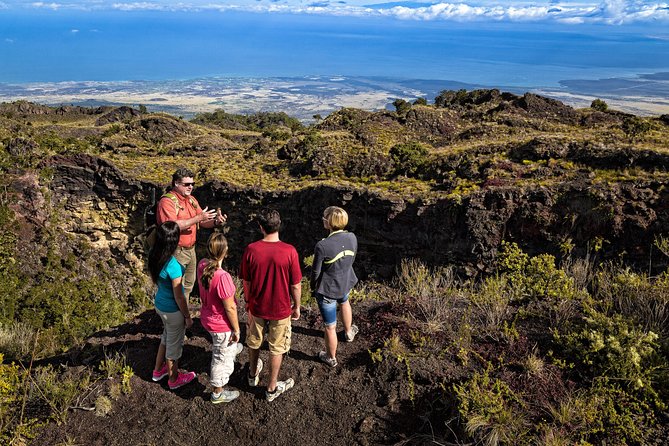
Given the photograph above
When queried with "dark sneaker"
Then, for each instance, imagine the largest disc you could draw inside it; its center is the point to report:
(323, 356)
(160, 374)
(350, 336)
(182, 380)
(254, 380)
(225, 396)
(281, 386)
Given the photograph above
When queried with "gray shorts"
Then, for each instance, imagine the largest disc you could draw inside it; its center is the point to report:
(174, 329)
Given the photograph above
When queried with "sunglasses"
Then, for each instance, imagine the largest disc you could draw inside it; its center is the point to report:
(188, 184)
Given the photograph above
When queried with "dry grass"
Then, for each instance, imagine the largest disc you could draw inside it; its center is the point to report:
(16, 340)
(491, 306)
(434, 297)
(635, 296)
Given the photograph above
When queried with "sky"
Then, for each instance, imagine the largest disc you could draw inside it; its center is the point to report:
(568, 12)
(484, 42)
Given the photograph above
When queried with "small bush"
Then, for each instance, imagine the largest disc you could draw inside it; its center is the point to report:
(103, 406)
(113, 364)
(599, 105)
(408, 158)
(492, 413)
(402, 107)
(635, 127)
(613, 349)
(58, 389)
(537, 279)
(491, 307)
(602, 414)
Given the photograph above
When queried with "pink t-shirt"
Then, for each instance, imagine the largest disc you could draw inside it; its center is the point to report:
(212, 313)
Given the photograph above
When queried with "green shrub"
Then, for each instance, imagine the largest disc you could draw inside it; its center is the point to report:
(603, 414)
(599, 105)
(635, 127)
(612, 349)
(402, 107)
(9, 268)
(538, 279)
(408, 158)
(491, 411)
(59, 388)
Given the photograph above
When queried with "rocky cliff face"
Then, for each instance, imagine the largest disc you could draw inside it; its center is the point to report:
(98, 203)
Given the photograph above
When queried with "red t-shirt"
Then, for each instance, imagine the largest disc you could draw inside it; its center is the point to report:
(270, 267)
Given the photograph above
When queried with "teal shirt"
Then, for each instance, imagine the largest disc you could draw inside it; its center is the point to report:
(164, 300)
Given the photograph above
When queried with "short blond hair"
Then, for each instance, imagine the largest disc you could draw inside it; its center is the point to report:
(336, 217)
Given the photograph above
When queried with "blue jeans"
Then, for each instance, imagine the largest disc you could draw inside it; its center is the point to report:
(328, 307)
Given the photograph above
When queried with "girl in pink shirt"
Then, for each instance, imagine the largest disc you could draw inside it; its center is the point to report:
(219, 316)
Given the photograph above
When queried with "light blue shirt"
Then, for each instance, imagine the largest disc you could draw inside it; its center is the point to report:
(164, 300)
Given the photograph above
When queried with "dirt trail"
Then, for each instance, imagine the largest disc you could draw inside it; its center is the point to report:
(350, 404)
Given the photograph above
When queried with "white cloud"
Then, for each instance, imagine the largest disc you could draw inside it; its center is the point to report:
(54, 6)
(560, 11)
(74, 31)
(8, 40)
(4, 5)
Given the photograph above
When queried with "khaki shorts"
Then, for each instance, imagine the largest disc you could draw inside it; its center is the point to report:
(278, 337)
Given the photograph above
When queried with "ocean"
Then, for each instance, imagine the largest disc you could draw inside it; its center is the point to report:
(57, 46)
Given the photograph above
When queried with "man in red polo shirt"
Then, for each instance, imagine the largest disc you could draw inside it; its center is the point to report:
(271, 273)
(181, 207)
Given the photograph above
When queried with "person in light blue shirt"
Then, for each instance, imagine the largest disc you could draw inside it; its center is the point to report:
(170, 302)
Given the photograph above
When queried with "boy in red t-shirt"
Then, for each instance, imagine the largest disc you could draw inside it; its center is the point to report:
(271, 273)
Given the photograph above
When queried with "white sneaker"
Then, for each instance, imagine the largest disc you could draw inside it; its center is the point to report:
(281, 386)
(254, 380)
(350, 336)
(323, 356)
(225, 396)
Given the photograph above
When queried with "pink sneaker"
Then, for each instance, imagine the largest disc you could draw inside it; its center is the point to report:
(182, 380)
(160, 374)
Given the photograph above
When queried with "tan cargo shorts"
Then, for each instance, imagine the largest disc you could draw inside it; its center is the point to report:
(278, 338)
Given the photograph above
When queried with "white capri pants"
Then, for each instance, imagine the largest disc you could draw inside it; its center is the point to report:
(222, 358)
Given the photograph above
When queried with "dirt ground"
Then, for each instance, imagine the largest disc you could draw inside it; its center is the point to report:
(358, 402)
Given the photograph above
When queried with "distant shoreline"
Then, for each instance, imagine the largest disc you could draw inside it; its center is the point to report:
(304, 97)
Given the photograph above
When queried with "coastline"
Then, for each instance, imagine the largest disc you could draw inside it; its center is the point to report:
(304, 97)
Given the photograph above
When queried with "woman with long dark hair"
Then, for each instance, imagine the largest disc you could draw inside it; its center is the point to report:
(170, 302)
(218, 315)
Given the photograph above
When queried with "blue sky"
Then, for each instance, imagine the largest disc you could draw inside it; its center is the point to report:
(569, 12)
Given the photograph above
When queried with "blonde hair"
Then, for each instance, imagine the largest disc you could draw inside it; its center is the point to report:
(217, 249)
(336, 217)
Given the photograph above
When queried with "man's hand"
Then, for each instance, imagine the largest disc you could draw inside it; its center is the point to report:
(220, 218)
(295, 315)
(189, 322)
(207, 215)
(234, 337)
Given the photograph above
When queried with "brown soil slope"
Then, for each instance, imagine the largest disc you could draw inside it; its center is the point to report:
(351, 404)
